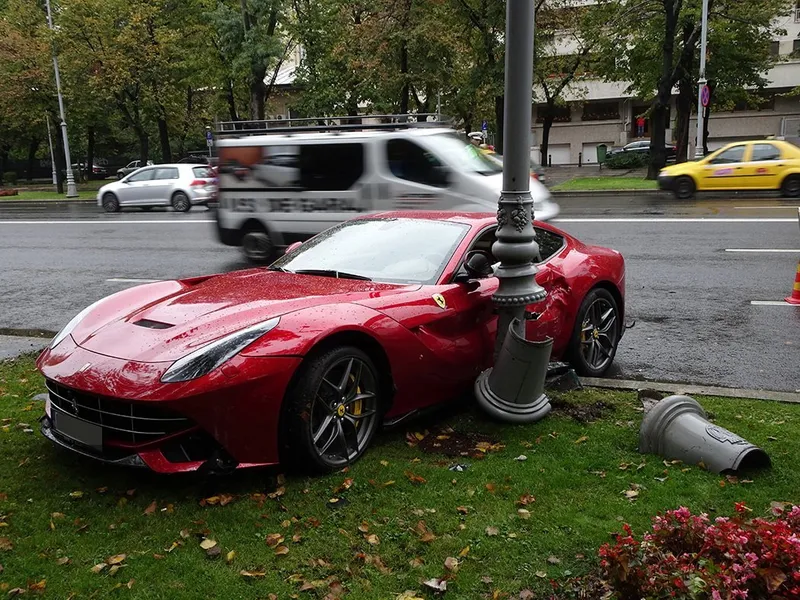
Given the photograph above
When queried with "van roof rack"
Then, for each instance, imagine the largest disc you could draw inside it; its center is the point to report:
(328, 124)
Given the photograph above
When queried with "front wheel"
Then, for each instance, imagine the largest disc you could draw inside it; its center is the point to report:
(257, 247)
(684, 187)
(110, 202)
(596, 334)
(332, 412)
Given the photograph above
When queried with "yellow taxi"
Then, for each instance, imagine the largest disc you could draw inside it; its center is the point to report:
(753, 165)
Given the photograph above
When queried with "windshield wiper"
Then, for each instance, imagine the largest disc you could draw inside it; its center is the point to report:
(281, 269)
(332, 273)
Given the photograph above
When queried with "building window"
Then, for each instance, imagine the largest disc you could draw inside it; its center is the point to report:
(561, 113)
(796, 48)
(774, 48)
(600, 111)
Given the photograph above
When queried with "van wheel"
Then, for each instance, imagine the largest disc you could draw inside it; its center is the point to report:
(790, 188)
(258, 247)
(110, 202)
(684, 187)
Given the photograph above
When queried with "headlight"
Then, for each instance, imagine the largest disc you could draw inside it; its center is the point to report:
(209, 357)
(72, 324)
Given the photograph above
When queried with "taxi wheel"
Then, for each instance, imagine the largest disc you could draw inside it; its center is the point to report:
(684, 187)
(790, 188)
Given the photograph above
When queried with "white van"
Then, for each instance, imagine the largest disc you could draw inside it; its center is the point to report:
(279, 188)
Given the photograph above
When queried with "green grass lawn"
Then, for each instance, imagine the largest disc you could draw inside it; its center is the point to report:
(401, 512)
(593, 184)
(84, 194)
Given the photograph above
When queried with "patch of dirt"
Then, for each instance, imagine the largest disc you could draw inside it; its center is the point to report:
(453, 443)
(582, 413)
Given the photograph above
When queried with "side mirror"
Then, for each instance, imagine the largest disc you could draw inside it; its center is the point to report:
(293, 247)
(478, 265)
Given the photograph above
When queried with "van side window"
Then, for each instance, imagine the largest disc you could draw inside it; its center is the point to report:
(330, 167)
(409, 161)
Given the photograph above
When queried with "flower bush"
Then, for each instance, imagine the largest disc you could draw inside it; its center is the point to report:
(689, 556)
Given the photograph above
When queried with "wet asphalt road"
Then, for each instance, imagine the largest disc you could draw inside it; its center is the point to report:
(690, 298)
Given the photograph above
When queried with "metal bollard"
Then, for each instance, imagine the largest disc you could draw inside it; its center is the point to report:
(580, 159)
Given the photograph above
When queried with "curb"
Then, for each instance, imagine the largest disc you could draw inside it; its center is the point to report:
(688, 389)
(36, 203)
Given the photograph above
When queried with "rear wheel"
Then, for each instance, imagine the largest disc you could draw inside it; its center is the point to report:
(596, 334)
(332, 412)
(258, 247)
(790, 187)
(110, 202)
(684, 187)
(181, 202)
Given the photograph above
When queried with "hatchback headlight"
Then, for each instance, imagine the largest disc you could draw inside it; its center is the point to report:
(209, 357)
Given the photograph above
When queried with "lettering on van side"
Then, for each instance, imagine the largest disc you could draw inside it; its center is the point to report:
(290, 205)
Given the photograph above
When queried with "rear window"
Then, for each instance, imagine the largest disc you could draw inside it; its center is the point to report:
(203, 172)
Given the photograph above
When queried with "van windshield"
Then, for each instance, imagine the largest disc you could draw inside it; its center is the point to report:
(464, 155)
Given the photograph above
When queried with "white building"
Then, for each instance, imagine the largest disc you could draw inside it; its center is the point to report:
(601, 112)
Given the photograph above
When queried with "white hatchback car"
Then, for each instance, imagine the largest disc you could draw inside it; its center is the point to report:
(178, 185)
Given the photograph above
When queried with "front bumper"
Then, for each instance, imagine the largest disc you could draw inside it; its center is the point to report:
(231, 415)
(666, 182)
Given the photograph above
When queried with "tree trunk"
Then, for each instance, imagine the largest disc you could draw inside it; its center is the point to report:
(3, 162)
(547, 124)
(231, 100)
(711, 88)
(144, 145)
(163, 138)
(684, 113)
(33, 146)
(405, 91)
(499, 112)
(59, 158)
(658, 117)
(89, 151)
(257, 95)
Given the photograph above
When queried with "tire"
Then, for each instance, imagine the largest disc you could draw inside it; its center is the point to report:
(120, 175)
(684, 187)
(110, 203)
(335, 395)
(790, 187)
(258, 247)
(594, 339)
(181, 202)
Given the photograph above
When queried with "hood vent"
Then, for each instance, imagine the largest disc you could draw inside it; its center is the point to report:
(153, 324)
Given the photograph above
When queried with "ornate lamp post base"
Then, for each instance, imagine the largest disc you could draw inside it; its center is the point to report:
(513, 391)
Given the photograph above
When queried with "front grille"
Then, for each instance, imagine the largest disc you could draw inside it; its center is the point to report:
(122, 421)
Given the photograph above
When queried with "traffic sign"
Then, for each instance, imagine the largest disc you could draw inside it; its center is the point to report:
(705, 95)
(209, 137)
(209, 142)
(484, 126)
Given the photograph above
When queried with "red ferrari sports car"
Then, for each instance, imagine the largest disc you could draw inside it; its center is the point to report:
(301, 362)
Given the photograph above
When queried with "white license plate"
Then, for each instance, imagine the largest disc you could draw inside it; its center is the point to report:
(82, 432)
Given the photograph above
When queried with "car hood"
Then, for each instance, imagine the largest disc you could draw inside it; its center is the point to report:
(680, 168)
(168, 327)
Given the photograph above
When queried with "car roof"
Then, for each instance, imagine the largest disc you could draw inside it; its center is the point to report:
(327, 136)
(466, 218)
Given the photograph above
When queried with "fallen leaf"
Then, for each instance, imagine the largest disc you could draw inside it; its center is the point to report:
(541, 574)
(130, 583)
(281, 550)
(38, 587)
(490, 487)
(114, 568)
(631, 494)
(416, 479)
(244, 573)
(210, 501)
(492, 531)
(277, 493)
(553, 560)
(76, 494)
(364, 527)
(451, 564)
(385, 463)
(226, 499)
(464, 552)
(440, 585)
(462, 510)
(151, 509)
(273, 539)
(57, 515)
(521, 458)
(5, 544)
(582, 439)
(372, 539)
(345, 485)
(777, 508)
(64, 560)
(184, 533)
(526, 499)
(158, 556)
(486, 579)
(207, 543)
(524, 513)
(416, 562)
(15, 592)
(286, 523)
(425, 534)
(99, 567)
(526, 595)
(774, 578)
(213, 552)
(408, 595)
(230, 556)
(118, 558)
(297, 538)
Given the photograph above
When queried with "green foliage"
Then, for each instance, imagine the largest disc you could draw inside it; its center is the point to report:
(627, 160)
(10, 178)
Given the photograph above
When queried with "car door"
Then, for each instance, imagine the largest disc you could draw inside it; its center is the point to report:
(163, 183)
(134, 189)
(417, 178)
(765, 168)
(724, 170)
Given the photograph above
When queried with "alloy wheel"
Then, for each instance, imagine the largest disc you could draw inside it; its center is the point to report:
(344, 411)
(599, 332)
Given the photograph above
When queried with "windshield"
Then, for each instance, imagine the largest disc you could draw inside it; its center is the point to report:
(462, 154)
(387, 250)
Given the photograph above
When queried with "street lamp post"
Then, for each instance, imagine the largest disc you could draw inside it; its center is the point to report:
(701, 83)
(50, 145)
(72, 192)
(513, 390)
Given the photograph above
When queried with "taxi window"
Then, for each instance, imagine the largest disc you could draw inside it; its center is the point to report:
(765, 152)
(731, 155)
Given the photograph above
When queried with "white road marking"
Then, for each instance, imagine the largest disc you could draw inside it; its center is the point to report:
(771, 303)
(131, 280)
(106, 223)
(672, 220)
(760, 207)
(779, 250)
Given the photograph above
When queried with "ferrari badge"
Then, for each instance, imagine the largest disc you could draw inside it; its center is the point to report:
(439, 299)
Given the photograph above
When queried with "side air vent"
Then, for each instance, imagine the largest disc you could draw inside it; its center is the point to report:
(152, 324)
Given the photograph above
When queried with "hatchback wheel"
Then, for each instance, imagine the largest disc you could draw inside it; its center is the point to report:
(332, 412)
(110, 202)
(596, 333)
(180, 202)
